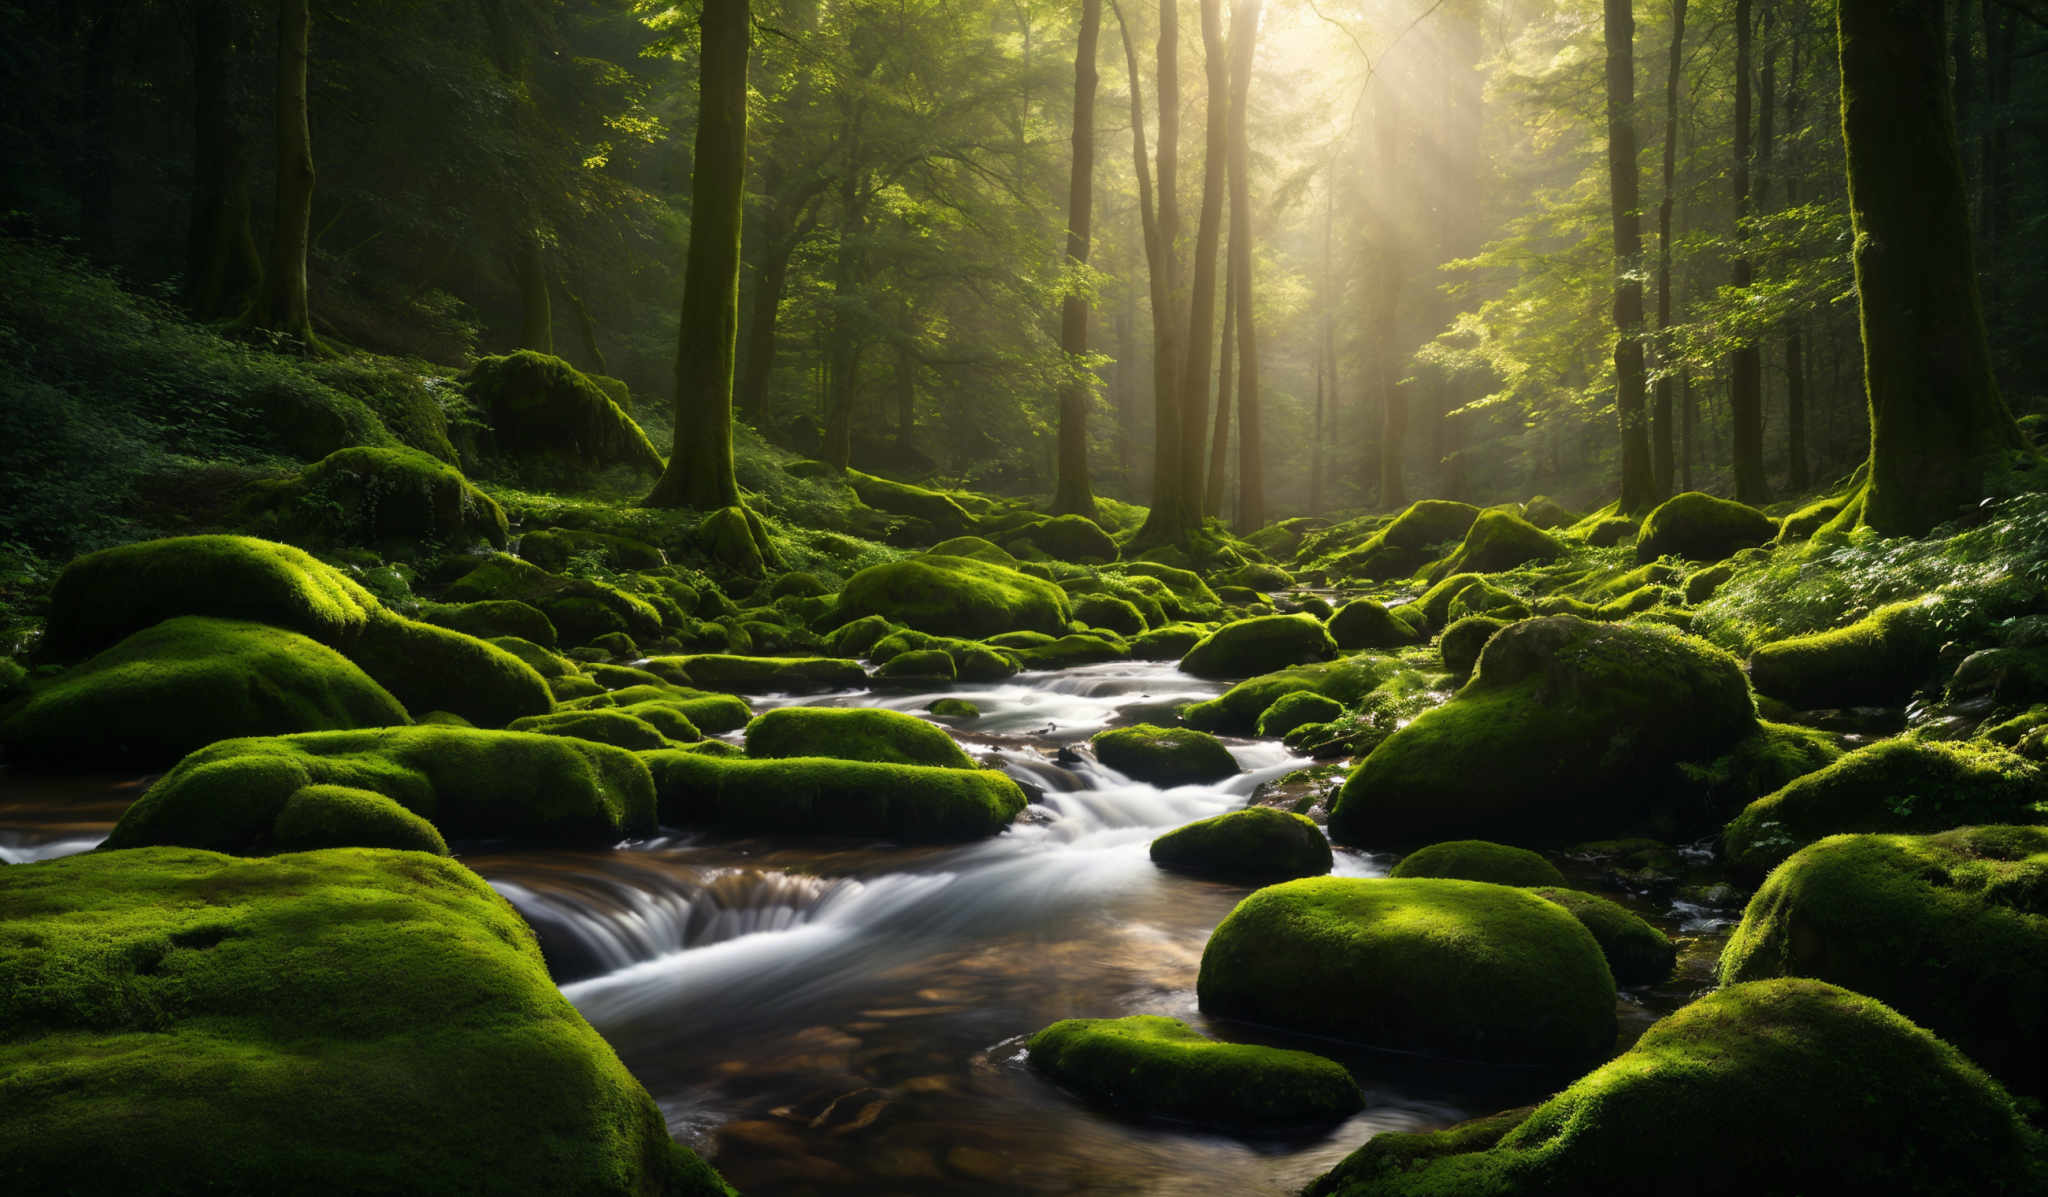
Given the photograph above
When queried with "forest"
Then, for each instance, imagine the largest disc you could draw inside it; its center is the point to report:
(1356, 598)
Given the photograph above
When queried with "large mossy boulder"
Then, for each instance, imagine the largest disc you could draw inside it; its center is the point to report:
(732, 674)
(618, 728)
(1258, 846)
(1878, 660)
(580, 609)
(935, 508)
(1699, 527)
(956, 596)
(430, 668)
(1366, 623)
(1257, 645)
(1147, 1065)
(1637, 953)
(550, 421)
(1778, 1089)
(1500, 540)
(1568, 731)
(820, 796)
(1405, 545)
(1237, 711)
(1071, 538)
(350, 1021)
(1453, 968)
(1479, 860)
(481, 785)
(494, 619)
(1893, 786)
(185, 683)
(1290, 711)
(1165, 756)
(853, 734)
(1950, 930)
(374, 496)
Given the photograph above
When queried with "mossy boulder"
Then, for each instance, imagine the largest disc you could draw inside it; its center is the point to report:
(549, 421)
(1637, 953)
(1185, 594)
(1366, 623)
(1568, 731)
(1148, 1065)
(1897, 786)
(1071, 538)
(971, 660)
(470, 784)
(1500, 540)
(343, 1021)
(1547, 513)
(1878, 660)
(345, 817)
(955, 596)
(1108, 611)
(1779, 1087)
(1698, 527)
(1464, 640)
(1257, 846)
(921, 666)
(1950, 930)
(1479, 860)
(1236, 711)
(853, 734)
(939, 510)
(553, 548)
(1405, 545)
(365, 495)
(712, 713)
(579, 608)
(492, 619)
(1453, 968)
(975, 547)
(1080, 648)
(1290, 711)
(185, 683)
(1606, 531)
(435, 669)
(605, 725)
(856, 638)
(766, 675)
(820, 796)
(1257, 576)
(1165, 756)
(1259, 645)
(954, 708)
(1169, 643)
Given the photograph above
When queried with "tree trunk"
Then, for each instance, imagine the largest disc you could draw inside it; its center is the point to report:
(222, 263)
(1688, 423)
(1386, 369)
(1072, 494)
(700, 470)
(1660, 416)
(1219, 435)
(906, 392)
(1638, 482)
(1941, 436)
(584, 325)
(1251, 450)
(1797, 472)
(1746, 365)
(1166, 522)
(843, 363)
(1194, 380)
(536, 317)
(286, 310)
(780, 237)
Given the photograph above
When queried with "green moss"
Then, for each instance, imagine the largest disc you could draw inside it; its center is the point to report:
(371, 496)
(1194, 597)
(945, 516)
(1433, 606)
(1824, 1091)
(954, 708)
(344, 817)
(617, 727)
(1700, 527)
(1236, 711)
(1606, 531)
(1637, 953)
(1547, 513)
(1292, 710)
(469, 784)
(1259, 645)
(1759, 764)
(493, 619)
(715, 714)
(972, 661)
(1485, 972)
(819, 796)
(1950, 930)
(975, 547)
(1164, 756)
(1072, 538)
(955, 596)
(1257, 845)
(1404, 546)
(1897, 785)
(1479, 860)
(1155, 604)
(1365, 623)
(853, 734)
(736, 539)
(1568, 731)
(552, 549)
(1149, 1065)
(1497, 541)
(1258, 576)
(768, 675)
(185, 683)
(1877, 660)
(342, 1021)
(433, 669)
(1107, 611)
(856, 638)
(1169, 643)
(546, 421)
(1806, 521)
(578, 607)
(1464, 640)
(1081, 648)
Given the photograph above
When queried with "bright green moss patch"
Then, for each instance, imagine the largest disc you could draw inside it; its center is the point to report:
(819, 796)
(1897, 785)
(1479, 860)
(434, 669)
(1464, 640)
(1108, 611)
(714, 714)
(344, 1021)
(1880, 659)
(1071, 538)
(1699, 527)
(579, 608)
(344, 817)
(1149, 1065)
(1404, 545)
(553, 548)
(1950, 930)
(1637, 953)
(1257, 846)
(1497, 541)
(768, 675)
(956, 596)
(492, 619)
(853, 734)
(1365, 623)
(954, 708)
(1782, 1087)
(945, 516)
(1454, 968)
(1290, 711)
(1163, 756)
(1259, 645)
(185, 683)
(1080, 648)
(1169, 643)
(607, 725)
(1185, 594)
(550, 422)
(374, 496)
(469, 784)
(975, 547)
(1236, 711)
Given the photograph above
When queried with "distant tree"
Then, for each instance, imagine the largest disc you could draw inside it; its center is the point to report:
(1072, 494)
(1745, 366)
(1638, 482)
(285, 308)
(1251, 471)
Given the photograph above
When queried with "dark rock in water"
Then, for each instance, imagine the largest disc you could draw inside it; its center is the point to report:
(1148, 1065)
(1257, 845)
(820, 796)
(1175, 756)
(1259, 645)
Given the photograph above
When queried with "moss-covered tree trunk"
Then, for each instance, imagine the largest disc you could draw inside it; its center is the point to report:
(1745, 365)
(700, 471)
(1072, 494)
(1638, 482)
(1661, 464)
(1251, 449)
(285, 307)
(1941, 437)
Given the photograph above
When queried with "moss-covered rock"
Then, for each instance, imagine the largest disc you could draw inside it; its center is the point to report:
(1108, 611)
(853, 734)
(435, 669)
(972, 660)
(1290, 711)
(1896, 785)
(1455, 968)
(1405, 545)
(1165, 756)
(1569, 730)
(1236, 711)
(975, 547)
(955, 596)
(579, 608)
(856, 638)
(365, 495)
(1169, 643)
(553, 548)
(767, 675)
(1500, 540)
(1257, 576)
(1703, 584)
(185, 683)
(1080, 648)
(1877, 660)
(345, 817)
(1161, 1067)
(1606, 531)
(1546, 513)
(920, 666)
(1950, 930)
(1464, 640)
(469, 784)
(343, 1021)
(711, 713)
(1479, 860)
(1185, 594)
(549, 421)
(492, 619)
(1781, 1087)
(1700, 527)
(954, 708)
(1257, 846)
(819, 796)
(1071, 538)
(1637, 953)
(1259, 645)
(1366, 623)
(945, 516)
(606, 725)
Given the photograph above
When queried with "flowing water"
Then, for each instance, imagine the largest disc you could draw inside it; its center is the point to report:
(846, 1017)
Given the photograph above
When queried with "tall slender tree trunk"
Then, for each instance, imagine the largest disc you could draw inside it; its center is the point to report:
(536, 315)
(1386, 380)
(700, 470)
(1251, 449)
(585, 325)
(1660, 415)
(1167, 521)
(1941, 437)
(1638, 482)
(843, 367)
(1798, 474)
(1194, 380)
(782, 230)
(286, 309)
(1072, 494)
(1219, 435)
(1746, 365)
(222, 262)
(1688, 423)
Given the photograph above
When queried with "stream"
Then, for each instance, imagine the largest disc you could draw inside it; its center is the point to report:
(845, 1017)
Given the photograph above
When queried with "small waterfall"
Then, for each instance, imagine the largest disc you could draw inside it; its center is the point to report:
(19, 848)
